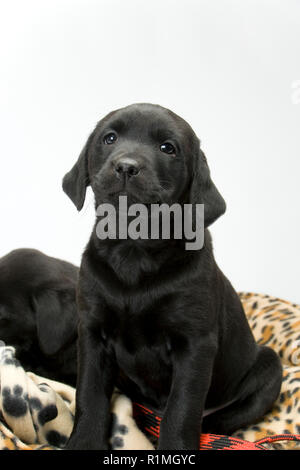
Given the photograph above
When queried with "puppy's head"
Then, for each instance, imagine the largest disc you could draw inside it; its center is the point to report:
(149, 154)
(45, 319)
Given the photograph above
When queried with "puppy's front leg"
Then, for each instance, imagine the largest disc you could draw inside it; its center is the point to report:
(192, 371)
(95, 385)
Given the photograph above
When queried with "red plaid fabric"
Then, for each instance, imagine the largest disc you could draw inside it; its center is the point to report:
(149, 422)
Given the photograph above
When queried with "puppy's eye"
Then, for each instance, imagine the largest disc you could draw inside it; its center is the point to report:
(110, 138)
(168, 148)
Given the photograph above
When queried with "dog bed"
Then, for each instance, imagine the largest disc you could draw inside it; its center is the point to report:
(37, 413)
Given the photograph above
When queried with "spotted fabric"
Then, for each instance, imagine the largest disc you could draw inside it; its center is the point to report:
(276, 323)
(38, 414)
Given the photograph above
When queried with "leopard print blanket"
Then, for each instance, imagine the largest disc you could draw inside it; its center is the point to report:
(276, 323)
(37, 413)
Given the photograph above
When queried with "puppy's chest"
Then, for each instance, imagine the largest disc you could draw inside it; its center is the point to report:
(140, 337)
(143, 354)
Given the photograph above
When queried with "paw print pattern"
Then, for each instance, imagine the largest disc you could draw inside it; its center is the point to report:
(56, 438)
(118, 430)
(7, 356)
(14, 401)
(47, 413)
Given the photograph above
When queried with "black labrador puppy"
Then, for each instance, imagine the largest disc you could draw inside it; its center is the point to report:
(38, 312)
(160, 322)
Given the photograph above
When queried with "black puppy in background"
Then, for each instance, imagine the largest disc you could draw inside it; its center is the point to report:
(38, 313)
(161, 323)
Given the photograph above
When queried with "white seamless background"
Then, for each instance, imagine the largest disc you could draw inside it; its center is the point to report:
(230, 68)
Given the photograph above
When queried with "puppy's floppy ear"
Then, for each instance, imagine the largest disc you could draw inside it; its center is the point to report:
(56, 319)
(203, 190)
(76, 180)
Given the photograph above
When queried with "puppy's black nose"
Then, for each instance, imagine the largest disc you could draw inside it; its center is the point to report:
(127, 167)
